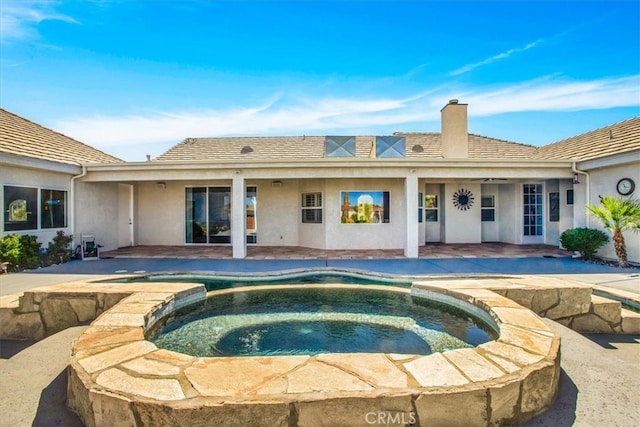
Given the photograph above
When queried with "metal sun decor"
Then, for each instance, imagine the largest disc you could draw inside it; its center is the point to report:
(463, 199)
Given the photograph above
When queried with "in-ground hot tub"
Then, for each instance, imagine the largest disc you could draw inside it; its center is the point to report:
(119, 377)
(310, 320)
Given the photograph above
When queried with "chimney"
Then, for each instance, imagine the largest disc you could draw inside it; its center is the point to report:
(455, 136)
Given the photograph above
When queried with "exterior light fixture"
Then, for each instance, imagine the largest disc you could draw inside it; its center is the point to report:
(575, 178)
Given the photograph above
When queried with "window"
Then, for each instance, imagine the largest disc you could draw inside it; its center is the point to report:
(420, 207)
(364, 207)
(390, 146)
(53, 205)
(312, 208)
(431, 208)
(340, 146)
(569, 197)
(27, 208)
(554, 207)
(488, 208)
(20, 208)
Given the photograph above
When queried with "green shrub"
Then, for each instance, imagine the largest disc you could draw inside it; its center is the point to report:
(587, 241)
(59, 249)
(20, 251)
(10, 249)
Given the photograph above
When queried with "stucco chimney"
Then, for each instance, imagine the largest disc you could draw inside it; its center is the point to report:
(455, 136)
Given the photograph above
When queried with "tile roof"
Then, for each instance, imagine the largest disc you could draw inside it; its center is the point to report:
(22, 137)
(418, 145)
(614, 139)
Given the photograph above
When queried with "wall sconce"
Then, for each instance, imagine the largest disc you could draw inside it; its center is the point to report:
(575, 178)
(276, 184)
(161, 185)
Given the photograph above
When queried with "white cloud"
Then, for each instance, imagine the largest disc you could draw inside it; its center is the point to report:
(494, 58)
(282, 116)
(19, 19)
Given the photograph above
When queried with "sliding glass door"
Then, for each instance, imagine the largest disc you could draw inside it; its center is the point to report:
(208, 215)
(196, 215)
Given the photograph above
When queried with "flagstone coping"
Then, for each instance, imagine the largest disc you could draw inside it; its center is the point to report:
(116, 376)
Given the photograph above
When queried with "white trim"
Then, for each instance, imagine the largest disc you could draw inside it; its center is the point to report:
(612, 160)
(33, 163)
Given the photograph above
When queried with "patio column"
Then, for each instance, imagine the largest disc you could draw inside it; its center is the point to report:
(411, 208)
(238, 217)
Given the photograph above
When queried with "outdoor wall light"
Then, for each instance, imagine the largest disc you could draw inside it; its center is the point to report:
(575, 178)
(276, 184)
(161, 185)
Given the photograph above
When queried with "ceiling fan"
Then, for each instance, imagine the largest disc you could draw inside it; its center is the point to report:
(490, 179)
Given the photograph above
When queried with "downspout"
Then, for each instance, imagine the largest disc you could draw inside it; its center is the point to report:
(575, 170)
(72, 203)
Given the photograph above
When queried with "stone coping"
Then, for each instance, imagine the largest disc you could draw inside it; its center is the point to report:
(116, 377)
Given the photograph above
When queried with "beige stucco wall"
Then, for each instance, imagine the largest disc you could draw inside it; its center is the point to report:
(509, 213)
(491, 229)
(462, 226)
(160, 214)
(278, 212)
(96, 207)
(551, 228)
(365, 236)
(566, 210)
(433, 229)
(603, 183)
(313, 235)
(27, 177)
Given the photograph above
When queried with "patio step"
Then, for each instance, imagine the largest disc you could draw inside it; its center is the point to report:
(604, 316)
(630, 322)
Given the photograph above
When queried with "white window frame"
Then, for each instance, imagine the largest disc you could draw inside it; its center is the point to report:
(313, 204)
(492, 207)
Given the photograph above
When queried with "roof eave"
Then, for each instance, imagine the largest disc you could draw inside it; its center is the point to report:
(39, 164)
(327, 163)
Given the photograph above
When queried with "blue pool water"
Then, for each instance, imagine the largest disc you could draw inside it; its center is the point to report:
(317, 320)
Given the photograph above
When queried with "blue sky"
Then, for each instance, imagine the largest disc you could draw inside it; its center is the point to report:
(136, 77)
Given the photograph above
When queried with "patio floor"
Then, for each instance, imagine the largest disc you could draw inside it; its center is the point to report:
(433, 250)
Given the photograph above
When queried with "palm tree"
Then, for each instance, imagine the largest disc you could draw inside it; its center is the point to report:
(618, 215)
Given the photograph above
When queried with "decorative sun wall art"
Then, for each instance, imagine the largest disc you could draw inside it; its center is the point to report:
(463, 199)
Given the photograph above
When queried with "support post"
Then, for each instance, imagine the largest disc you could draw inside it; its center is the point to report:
(411, 208)
(238, 217)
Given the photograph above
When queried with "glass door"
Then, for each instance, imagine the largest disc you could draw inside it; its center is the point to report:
(196, 215)
(532, 213)
(219, 215)
(208, 215)
(251, 208)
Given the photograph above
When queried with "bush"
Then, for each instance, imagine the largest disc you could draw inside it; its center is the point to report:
(20, 251)
(587, 241)
(59, 249)
(10, 249)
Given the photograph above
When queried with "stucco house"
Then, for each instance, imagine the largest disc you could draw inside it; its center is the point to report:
(38, 170)
(403, 190)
